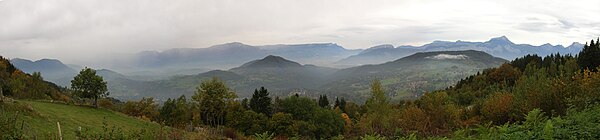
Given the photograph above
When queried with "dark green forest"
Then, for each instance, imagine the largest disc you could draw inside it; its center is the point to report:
(531, 97)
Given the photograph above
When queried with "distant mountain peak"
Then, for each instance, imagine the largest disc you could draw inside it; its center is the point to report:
(576, 44)
(234, 43)
(502, 40)
(20, 60)
(271, 61)
(547, 45)
(383, 46)
(273, 57)
(448, 55)
(231, 45)
(54, 61)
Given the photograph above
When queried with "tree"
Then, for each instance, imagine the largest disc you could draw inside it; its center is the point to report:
(378, 102)
(340, 103)
(261, 102)
(505, 74)
(328, 123)
(89, 85)
(377, 119)
(166, 112)
(589, 57)
(443, 114)
(245, 103)
(323, 101)
(301, 108)
(251, 122)
(211, 99)
(175, 112)
(146, 109)
(497, 108)
(281, 124)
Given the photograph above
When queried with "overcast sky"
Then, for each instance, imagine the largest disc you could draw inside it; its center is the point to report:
(76, 30)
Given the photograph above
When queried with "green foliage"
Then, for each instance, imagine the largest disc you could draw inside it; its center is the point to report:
(589, 58)
(38, 120)
(301, 108)
(340, 103)
(113, 132)
(11, 127)
(281, 124)
(250, 122)
(412, 136)
(372, 137)
(211, 100)
(378, 102)
(176, 112)
(19, 85)
(582, 124)
(378, 116)
(323, 101)
(328, 123)
(260, 101)
(146, 109)
(263, 136)
(443, 114)
(89, 85)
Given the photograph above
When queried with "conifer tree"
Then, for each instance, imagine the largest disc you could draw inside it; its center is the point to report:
(260, 101)
(323, 101)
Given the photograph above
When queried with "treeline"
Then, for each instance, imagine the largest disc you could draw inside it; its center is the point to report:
(214, 106)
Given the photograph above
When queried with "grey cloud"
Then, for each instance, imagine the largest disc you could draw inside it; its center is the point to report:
(81, 31)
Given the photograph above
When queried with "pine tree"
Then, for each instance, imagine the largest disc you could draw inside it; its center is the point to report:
(589, 57)
(260, 101)
(323, 101)
(245, 103)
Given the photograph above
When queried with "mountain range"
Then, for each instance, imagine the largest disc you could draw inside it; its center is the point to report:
(157, 65)
(500, 47)
(407, 71)
(404, 78)
(57, 72)
(229, 55)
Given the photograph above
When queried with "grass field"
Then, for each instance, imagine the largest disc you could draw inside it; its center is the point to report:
(43, 121)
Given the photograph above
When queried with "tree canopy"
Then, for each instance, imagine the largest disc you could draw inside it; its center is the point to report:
(89, 85)
(260, 101)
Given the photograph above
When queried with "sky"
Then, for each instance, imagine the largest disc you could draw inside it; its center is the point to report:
(76, 31)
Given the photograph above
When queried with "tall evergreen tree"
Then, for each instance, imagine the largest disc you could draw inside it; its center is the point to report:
(260, 101)
(589, 57)
(323, 101)
(245, 103)
(340, 103)
(343, 105)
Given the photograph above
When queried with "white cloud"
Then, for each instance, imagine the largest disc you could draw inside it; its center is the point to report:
(70, 30)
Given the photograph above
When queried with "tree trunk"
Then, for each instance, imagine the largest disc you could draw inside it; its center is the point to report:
(96, 102)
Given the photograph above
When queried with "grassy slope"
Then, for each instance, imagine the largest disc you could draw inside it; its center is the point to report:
(72, 117)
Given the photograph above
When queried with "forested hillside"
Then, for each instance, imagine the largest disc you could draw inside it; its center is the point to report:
(20, 85)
